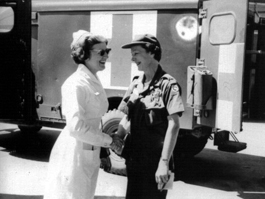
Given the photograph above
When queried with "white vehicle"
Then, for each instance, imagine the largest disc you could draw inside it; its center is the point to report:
(215, 50)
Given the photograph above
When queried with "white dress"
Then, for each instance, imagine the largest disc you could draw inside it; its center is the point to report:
(74, 160)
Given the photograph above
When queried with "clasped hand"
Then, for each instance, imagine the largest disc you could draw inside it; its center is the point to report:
(117, 143)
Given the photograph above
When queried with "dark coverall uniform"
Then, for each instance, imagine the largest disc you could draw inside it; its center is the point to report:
(148, 117)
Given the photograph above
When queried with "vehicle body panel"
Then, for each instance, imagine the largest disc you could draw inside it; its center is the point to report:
(52, 44)
(222, 48)
(186, 37)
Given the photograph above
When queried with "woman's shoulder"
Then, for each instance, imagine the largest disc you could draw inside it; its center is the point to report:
(167, 80)
(73, 81)
(168, 77)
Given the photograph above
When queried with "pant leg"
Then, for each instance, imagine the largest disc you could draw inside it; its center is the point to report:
(134, 184)
(141, 181)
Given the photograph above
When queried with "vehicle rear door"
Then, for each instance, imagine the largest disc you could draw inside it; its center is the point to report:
(222, 49)
(16, 88)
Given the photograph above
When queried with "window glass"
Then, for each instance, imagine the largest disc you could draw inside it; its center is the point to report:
(222, 28)
(6, 19)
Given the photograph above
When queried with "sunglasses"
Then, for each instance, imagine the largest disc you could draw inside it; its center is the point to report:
(103, 51)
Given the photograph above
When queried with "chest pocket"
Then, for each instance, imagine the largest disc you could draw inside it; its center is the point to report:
(155, 112)
(95, 97)
(94, 103)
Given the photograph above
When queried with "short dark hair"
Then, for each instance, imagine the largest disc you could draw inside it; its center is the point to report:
(82, 52)
(154, 49)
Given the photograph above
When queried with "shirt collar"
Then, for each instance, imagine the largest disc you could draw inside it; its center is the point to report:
(158, 74)
(87, 73)
(155, 81)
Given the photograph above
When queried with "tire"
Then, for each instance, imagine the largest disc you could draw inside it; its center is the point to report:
(114, 163)
(29, 128)
(191, 142)
(28, 140)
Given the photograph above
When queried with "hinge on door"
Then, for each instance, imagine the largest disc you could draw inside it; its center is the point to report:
(203, 13)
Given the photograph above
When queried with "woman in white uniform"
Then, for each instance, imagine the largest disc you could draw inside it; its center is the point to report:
(74, 160)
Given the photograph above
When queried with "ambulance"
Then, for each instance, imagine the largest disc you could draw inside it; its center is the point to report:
(214, 48)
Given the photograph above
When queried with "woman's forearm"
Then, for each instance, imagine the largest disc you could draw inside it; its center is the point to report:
(171, 137)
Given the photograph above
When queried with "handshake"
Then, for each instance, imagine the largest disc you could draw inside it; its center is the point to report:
(117, 143)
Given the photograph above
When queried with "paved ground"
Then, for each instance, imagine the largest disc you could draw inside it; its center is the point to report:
(211, 174)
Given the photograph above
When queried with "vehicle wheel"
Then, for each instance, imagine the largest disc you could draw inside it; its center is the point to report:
(190, 143)
(114, 163)
(28, 141)
(29, 128)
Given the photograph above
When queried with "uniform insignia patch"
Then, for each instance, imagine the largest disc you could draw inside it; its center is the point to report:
(175, 88)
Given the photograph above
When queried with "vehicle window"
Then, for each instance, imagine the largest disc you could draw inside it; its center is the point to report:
(222, 28)
(6, 19)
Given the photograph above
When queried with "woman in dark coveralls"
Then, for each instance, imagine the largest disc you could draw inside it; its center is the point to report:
(153, 106)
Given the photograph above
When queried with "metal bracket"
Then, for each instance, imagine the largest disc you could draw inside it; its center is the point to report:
(58, 108)
(202, 13)
(200, 62)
